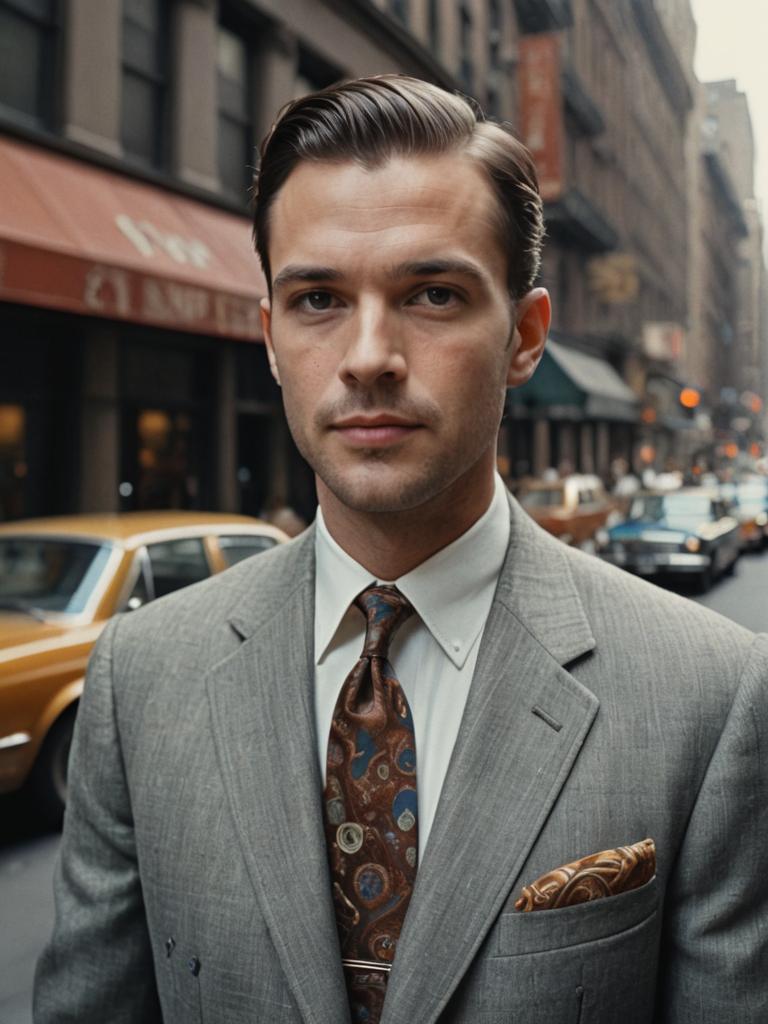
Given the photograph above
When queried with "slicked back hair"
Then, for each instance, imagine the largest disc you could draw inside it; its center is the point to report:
(371, 120)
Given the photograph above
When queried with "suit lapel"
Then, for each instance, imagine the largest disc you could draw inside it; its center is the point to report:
(523, 727)
(264, 731)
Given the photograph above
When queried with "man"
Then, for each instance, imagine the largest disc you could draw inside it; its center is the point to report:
(266, 825)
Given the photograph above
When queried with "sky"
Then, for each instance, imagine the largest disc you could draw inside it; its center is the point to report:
(731, 43)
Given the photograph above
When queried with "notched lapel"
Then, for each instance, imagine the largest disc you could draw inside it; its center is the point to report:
(525, 722)
(263, 719)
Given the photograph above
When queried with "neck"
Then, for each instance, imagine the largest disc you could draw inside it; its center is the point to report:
(390, 544)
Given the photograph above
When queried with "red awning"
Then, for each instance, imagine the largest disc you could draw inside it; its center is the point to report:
(77, 237)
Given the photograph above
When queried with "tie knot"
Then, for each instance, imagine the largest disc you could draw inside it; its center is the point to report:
(385, 610)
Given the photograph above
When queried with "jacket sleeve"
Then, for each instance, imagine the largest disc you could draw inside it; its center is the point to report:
(97, 967)
(714, 957)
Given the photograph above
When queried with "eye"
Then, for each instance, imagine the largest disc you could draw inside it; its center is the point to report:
(435, 295)
(316, 301)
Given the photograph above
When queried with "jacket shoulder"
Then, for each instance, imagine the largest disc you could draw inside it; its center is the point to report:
(252, 589)
(615, 594)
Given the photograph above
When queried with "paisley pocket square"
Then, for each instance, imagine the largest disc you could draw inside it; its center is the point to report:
(590, 878)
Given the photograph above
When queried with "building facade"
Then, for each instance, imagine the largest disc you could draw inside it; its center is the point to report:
(616, 258)
(727, 134)
(132, 368)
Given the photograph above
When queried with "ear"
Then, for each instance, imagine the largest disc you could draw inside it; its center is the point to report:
(533, 316)
(265, 309)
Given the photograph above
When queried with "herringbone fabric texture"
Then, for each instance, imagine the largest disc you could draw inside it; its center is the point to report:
(370, 807)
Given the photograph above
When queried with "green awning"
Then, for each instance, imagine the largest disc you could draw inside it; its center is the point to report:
(571, 384)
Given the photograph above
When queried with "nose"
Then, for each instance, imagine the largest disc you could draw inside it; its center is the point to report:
(375, 352)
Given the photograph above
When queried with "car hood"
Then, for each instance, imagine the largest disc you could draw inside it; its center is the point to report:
(21, 634)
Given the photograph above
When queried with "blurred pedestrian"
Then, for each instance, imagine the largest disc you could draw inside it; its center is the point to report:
(287, 519)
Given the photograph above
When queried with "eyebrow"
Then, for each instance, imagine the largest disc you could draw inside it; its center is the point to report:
(298, 274)
(435, 267)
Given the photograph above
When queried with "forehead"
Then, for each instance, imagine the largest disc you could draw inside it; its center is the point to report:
(410, 207)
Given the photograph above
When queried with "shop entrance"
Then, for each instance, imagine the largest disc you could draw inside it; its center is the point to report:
(254, 462)
(167, 438)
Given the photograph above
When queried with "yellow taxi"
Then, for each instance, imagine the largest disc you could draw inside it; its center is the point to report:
(60, 581)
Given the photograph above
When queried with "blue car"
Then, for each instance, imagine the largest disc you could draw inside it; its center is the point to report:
(686, 533)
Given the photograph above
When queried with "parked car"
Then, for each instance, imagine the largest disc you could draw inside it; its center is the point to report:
(689, 532)
(750, 501)
(60, 581)
(572, 509)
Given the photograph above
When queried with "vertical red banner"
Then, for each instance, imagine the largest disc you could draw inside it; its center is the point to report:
(541, 108)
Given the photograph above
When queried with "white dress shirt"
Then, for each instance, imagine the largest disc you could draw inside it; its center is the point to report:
(433, 653)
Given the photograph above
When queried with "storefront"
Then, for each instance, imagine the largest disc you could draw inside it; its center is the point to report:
(132, 369)
(576, 414)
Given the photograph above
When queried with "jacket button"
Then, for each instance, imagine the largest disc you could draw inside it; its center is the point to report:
(170, 942)
(194, 966)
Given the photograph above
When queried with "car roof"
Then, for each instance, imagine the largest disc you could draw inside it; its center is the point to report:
(125, 527)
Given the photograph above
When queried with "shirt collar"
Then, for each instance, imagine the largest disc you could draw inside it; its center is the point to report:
(452, 591)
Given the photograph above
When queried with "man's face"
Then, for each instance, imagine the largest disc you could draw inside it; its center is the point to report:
(390, 329)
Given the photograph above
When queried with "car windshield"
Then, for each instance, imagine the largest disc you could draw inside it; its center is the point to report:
(753, 494)
(543, 498)
(680, 510)
(40, 574)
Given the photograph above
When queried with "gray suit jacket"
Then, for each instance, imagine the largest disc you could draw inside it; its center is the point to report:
(193, 885)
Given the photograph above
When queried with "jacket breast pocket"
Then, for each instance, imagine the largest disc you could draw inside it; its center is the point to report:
(542, 931)
(594, 963)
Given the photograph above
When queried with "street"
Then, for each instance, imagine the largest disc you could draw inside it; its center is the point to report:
(27, 854)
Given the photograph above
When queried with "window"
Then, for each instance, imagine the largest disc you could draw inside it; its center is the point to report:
(466, 65)
(235, 549)
(433, 26)
(176, 564)
(233, 67)
(38, 573)
(13, 461)
(145, 69)
(399, 9)
(314, 73)
(27, 59)
(493, 106)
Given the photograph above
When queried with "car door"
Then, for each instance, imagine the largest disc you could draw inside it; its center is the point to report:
(164, 566)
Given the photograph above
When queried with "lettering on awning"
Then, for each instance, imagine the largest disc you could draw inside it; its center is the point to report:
(151, 241)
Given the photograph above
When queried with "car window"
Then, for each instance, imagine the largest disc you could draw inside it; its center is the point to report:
(49, 574)
(586, 497)
(234, 549)
(678, 510)
(177, 563)
(542, 498)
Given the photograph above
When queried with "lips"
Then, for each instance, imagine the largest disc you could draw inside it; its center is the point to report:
(374, 431)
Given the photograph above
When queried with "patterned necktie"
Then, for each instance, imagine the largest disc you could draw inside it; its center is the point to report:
(370, 808)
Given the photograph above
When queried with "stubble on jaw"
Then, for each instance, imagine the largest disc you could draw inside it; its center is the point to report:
(373, 483)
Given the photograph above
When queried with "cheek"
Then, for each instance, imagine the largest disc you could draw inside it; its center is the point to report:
(305, 370)
(464, 372)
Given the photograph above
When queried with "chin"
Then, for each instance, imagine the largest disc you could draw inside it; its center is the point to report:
(378, 488)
